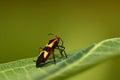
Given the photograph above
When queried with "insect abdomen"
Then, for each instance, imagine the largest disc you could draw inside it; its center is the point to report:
(40, 59)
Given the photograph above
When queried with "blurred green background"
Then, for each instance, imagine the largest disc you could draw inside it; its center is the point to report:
(24, 26)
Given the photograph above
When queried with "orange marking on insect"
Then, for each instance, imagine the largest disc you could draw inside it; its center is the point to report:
(51, 44)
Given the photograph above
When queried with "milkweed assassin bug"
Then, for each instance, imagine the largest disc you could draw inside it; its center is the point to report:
(49, 49)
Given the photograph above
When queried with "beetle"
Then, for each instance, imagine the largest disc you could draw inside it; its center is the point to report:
(49, 49)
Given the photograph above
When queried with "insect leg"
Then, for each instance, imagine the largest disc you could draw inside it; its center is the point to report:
(62, 49)
(40, 49)
(61, 41)
(54, 57)
(65, 53)
(34, 60)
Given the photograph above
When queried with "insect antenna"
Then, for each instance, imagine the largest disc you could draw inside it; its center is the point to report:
(50, 34)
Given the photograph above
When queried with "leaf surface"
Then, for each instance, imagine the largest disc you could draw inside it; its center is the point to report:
(76, 62)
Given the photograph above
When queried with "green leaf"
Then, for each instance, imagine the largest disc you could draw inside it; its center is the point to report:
(76, 62)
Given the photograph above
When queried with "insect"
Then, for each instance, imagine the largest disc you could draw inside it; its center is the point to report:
(49, 49)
